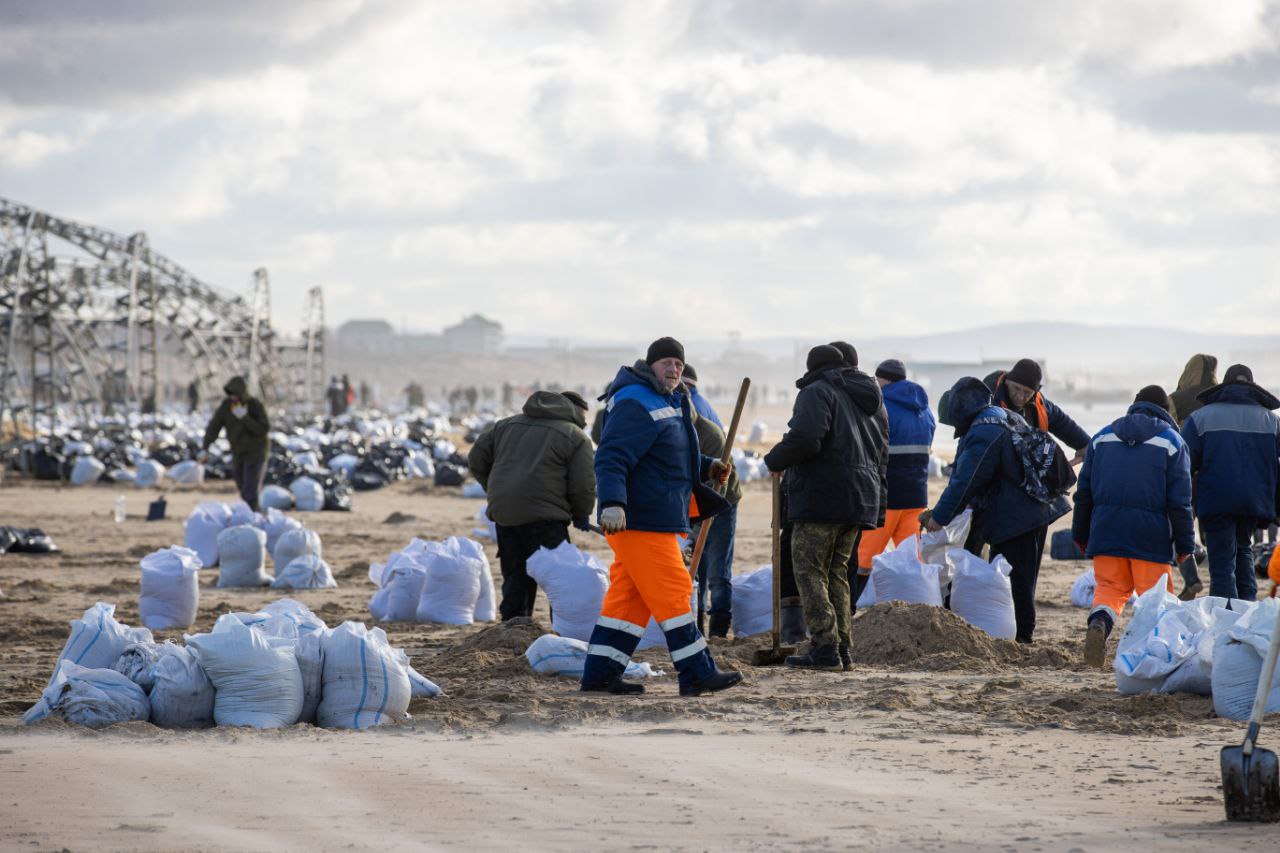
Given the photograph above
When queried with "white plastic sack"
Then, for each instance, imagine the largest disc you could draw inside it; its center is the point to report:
(473, 490)
(149, 474)
(305, 572)
(242, 513)
(753, 602)
(187, 473)
(1237, 662)
(344, 463)
(575, 584)
(296, 613)
(135, 663)
(1210, 618)
(1154, 643)
(981, 593)
(452, 585)
(936, 545)
(170, 588)
(400, 581)
(1083, 587)
(276, 524)
(242, 552)
(181, 694)
(308, 495)
(309, 651)
(552, 655)
(275, 497)
(94, 698)
(421, 467)
(487, 530)
(420, 686)
(901, 576)
(759, 430)
(296, 543)
(307, 459)
(365, 682)
(86, 471)
(255, 678)
(97, 640)
(200, 533)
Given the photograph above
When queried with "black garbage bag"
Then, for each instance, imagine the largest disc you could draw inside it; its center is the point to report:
(337, 497)
(458, 459)
(367, 481)
(47, 465)
(448, 474)
(1262, 557)
(25, 540)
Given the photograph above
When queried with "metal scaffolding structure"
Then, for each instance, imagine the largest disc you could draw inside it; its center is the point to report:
(89, 320)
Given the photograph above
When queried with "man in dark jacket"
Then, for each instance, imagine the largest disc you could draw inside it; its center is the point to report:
(537, 473)
(988, 475)
(649, 474)
(1019, 390)
(1200, 374)
(245, 420)
(834, 454)
(1132, 510)
(1235, 459)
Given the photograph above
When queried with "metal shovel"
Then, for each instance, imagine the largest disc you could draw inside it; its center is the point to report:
(1251, 775)
(778, 653)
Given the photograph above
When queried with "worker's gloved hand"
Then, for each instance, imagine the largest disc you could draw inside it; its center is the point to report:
(720, 471)
(202, 456)
(925, 517)
(583, 524)
(1180, 559)
(932, 526)
(240, 411)
(1272, 592)
(613, 519)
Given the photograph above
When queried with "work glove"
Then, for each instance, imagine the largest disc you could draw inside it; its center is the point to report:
(1178, 560)
(583, 524)
(613, 519)
(720, 471)
(240, 411)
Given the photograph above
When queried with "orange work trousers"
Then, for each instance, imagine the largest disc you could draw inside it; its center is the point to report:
(647, 578)
(1120, 577)
(899, 525)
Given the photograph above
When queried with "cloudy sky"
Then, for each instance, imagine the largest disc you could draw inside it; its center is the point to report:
(599, 168)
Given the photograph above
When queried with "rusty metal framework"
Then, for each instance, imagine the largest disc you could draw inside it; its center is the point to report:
(89, 319)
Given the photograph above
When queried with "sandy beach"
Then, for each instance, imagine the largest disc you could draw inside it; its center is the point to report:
(977, 745)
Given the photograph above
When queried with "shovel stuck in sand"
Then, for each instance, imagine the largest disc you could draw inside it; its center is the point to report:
(778, 653)
(1251, 776)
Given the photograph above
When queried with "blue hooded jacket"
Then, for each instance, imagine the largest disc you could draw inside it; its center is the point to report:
(988, 474)
(1133, 498)
(1234, 442)
(911, 428)
(702, 406)
(648, 460)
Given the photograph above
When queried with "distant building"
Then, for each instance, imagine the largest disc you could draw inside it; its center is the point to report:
(475, 335)
(362, 330)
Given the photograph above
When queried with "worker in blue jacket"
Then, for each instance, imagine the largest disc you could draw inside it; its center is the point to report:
(988, 476)
(1234, 441)
(1132, 510)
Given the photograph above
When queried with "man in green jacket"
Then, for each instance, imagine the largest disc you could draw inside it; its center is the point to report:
(245, 420)
(537, 469)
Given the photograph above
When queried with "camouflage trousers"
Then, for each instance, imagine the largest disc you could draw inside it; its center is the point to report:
(820, 554)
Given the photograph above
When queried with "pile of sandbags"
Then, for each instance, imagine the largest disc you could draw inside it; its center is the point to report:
(451, 579)
(575, 584)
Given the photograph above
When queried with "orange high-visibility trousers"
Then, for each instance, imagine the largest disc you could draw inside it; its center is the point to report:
(647, 578)
(899, 525)
(1120, 577)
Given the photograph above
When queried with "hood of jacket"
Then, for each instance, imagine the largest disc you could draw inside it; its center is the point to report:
(1143, 421)
(906, 394)
(969, 396)
(639, 373)
(861, 388)
(553, 406)
(1201, 370)
(237, 387)
(1239, 392)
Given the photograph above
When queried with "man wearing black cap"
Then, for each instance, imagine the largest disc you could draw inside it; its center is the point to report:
(1132, 510)
(1235, 459)
(1019, 390)
(833, 452)
(537, 472)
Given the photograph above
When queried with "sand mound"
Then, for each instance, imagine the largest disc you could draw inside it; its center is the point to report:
(495, 651)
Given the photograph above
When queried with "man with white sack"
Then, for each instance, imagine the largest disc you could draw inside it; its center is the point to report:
(1133, 510)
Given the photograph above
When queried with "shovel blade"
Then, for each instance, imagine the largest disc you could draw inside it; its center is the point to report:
(1251, 784)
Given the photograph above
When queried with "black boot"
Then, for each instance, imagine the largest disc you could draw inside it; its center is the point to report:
(618, 687)
(1095, 639)
(793, 628)
(720, 624)
(716, 681)
(846, 659)
(825, 658)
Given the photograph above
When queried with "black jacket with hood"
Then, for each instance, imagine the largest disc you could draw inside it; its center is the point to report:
(1200, 374)
(836, 450)
(247, 435)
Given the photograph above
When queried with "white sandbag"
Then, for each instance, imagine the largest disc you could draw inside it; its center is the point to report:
(344, 463)
(365, 683)
(242, 551)
(936, 545)
(981, 593)
(295, 612)
(200, 533)
(309, 651)
(452, 585)
(487, 530)
(1209, 617)
(296, 543)
(487, 602)
(97, 640)
(400, 581)
(1154, 643)
(420, 686)
(275, 497)
(242, 513)
(901, 576)
(94, 698)
(759, 430)
(1237, 662)
(308, 495)
(753, 602)
(149, 474)
(473, 490)
(170, 588)
(305, 572)
(936, 464)
(307, 459)
(421, 467)
(1082, 589)
(86, 471)
(135, 663)
(255, 678)
(181, 694)
(868, 597)
(443, 449)
(575, 584)
(276, 524)
(553, 655)
(187, 473)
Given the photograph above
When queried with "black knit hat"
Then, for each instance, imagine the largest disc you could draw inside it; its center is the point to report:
(664, 348)
(689, 374)
(1026, 372)
(1237, 373)
(823, 355)
(892, 369)
(575, 398)
(847, 352)
(1155, 395)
